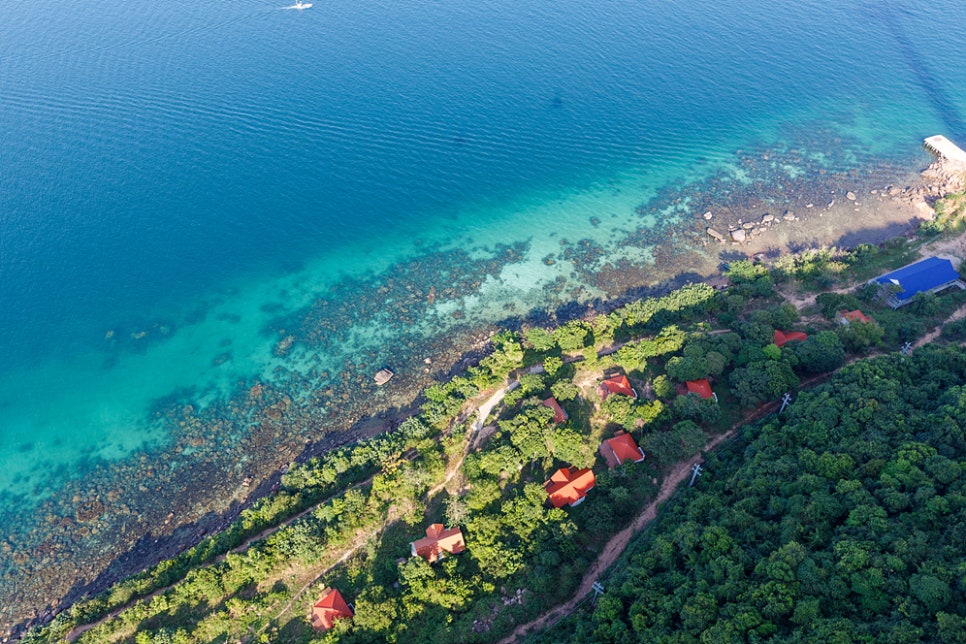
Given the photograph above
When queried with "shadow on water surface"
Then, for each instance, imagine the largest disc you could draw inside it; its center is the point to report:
(931, 85)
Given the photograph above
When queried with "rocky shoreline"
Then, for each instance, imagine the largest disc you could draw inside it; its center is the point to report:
(225, 456)
(939, 179)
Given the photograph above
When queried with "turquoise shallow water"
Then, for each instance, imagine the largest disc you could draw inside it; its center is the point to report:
(198, 197)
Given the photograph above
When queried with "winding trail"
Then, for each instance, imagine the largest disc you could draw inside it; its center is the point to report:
(615, 547)
(612, 550)
(242, 547)
(482, 411)
(958, 314)
(618, 543)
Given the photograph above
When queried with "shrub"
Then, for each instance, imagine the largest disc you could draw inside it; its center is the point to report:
(687, 368)
(857, 337)
(696, 408)
(663, 387)
(761, 381)
(572, 336)
(564, 390)
(539, 339)
(955, 330)
(820, 352)
(670, 446)
(551, 365)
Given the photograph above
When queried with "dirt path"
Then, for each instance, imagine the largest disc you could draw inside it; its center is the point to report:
(482, 412)
(242, 547)
(618, 543)
(803, 301)
(958, 314)
(357, 544)
(615, 547)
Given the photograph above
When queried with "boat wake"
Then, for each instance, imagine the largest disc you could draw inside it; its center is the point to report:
(300, 5)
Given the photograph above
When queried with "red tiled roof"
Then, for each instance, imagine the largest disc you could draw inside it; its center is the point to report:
(616, 385)
(855, 316)
(701, 387)
(621, 448)
(782, 338)
(569, 486)
(559, 415)
(438, 543)
(328, 609)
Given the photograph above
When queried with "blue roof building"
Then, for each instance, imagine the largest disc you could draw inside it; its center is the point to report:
(926, 276)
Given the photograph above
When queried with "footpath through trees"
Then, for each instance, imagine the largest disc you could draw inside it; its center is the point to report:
(618, 543)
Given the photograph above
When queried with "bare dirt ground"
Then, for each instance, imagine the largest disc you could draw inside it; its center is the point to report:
(802, 301)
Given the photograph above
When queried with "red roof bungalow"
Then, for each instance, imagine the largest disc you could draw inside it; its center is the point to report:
(616, 385)
(782, 338)
(559, 415)
(569, 486)
(702, 388)
(619, 449)
(328, 609)
(438, 543)
(847, 317)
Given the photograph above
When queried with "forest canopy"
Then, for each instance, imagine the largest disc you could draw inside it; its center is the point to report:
(843, 521)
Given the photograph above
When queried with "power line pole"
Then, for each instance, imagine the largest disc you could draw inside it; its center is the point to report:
(906, 349)
(786, 400)
(695, 473)
(598, 589)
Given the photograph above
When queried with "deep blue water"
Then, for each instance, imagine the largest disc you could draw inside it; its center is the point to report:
(155, 149)
(176, 167)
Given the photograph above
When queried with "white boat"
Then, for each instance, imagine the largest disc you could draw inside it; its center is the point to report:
(300, 5)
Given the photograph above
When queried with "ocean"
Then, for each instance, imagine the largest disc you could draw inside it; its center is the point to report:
(219, 219)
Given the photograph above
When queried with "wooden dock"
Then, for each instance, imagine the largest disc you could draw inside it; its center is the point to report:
(945, 149)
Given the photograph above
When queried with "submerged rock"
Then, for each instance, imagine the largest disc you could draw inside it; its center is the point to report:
(714, 234)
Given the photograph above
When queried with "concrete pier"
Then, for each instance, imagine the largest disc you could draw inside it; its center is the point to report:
(945, 149)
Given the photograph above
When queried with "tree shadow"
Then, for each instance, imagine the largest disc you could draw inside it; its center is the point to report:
(188, 616)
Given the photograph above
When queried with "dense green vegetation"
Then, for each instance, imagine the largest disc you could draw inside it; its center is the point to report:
(363, 504)
(950, 216)
(369, 500)
(843, 521)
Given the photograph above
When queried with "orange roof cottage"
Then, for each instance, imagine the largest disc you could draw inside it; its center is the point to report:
(569, 486)
(616, 385)
(782, 338)
(559, 415)
(619, 449)
(438, 543)
(330, 608)
(702, 388)
(847, 317)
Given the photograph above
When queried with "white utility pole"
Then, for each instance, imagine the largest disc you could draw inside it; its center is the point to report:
(695, 473)
(598, 589)
(786, 401)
